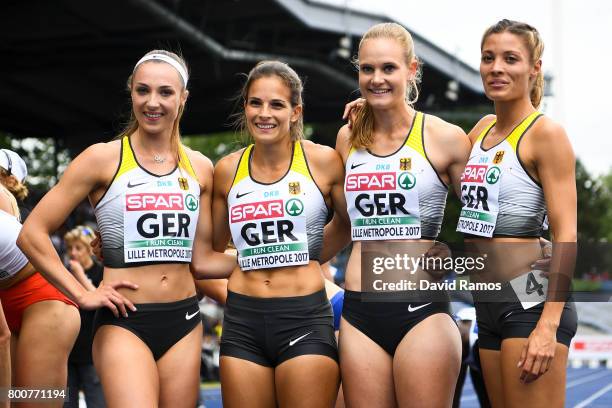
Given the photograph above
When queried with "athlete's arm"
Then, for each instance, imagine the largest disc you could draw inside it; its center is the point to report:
(215, 289)
(554, 162)
(327, 168)
(458, 147)
(343, 142)
(205, 262)
(83, 175)
(448, 147)
(77, 270)
(224, 174)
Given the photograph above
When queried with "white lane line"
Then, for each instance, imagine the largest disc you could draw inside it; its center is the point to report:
(593, 397)
(586, 379)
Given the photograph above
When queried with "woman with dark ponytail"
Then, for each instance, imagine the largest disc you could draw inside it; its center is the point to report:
(273, 199)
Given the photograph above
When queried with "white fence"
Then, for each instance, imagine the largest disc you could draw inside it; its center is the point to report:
(591, 350)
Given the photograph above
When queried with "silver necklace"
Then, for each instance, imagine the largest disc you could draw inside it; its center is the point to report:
(158, 159)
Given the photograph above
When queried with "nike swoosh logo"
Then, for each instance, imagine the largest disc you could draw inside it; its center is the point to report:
(292, 342)
(413, 309)
(190, 316)
(354, 166)
(238, 195)
(130, 185)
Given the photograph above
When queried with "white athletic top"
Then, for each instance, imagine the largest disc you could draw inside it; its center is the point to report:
(398, 196)
(12, 260)
(12, 200)
(146, 218)
(499, 196)
(276, 224)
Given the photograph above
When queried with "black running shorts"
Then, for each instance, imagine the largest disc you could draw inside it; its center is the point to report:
(269, 331)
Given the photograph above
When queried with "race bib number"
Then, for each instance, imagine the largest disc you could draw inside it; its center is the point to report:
(270, 234)
(530, 288)
(383, 205)
(479, 195)
(159, 227)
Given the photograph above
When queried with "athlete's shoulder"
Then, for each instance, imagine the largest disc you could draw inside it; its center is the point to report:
(549, 136)
(229, 163)
(94, 166)
(318, 153)
(443, 130)
(446, 144)
(324, 162)
(113, 146)
(202, 166)
(545, 127)
(100, 154)
(225, 171)
(198, 160)
(480, 126)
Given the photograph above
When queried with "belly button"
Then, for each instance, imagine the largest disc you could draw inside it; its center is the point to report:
(267, 282)
(164, 280)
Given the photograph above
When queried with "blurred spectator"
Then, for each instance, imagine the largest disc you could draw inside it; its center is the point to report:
(81, 371)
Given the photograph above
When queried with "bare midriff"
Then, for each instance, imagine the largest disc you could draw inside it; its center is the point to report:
(278, 282)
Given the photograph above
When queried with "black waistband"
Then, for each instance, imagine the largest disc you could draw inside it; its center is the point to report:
(168, 306)
(293, 302)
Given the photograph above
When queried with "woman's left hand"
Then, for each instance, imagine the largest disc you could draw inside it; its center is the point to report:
(538, 352)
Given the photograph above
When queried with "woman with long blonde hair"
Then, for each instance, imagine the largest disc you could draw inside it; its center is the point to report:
(399, 164)
(148, 192)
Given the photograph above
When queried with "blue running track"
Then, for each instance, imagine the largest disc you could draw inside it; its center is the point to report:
(586, 387)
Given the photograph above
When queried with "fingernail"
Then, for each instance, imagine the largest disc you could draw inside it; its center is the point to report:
(133, 308)
(126, 315)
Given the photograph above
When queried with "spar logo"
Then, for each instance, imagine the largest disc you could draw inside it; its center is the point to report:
(474, 173)
(257, 211)
(154, 202)
(370, 181)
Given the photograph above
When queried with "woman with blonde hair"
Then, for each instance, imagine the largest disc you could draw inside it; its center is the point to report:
(399, 165)
(148, 191)
(529, 172)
